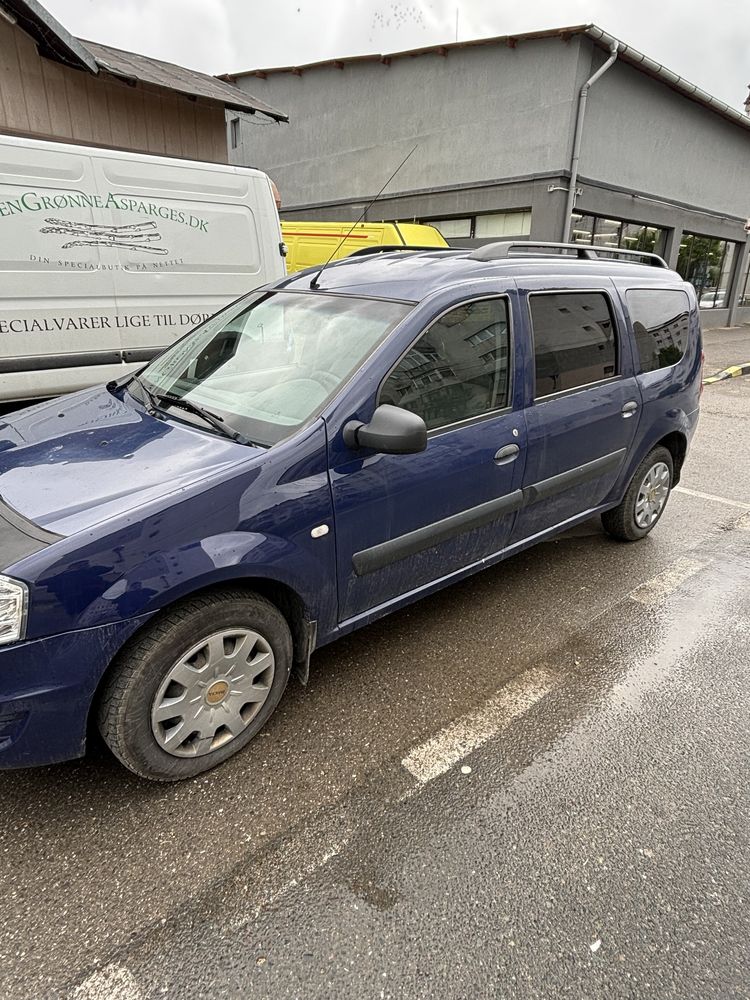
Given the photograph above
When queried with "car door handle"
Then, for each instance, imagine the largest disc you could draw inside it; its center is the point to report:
(506, 454)
(629, 408)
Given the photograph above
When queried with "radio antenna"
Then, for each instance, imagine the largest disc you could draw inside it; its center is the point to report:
(314, 280)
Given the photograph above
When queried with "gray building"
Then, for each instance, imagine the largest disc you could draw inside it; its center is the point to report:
(500, 126)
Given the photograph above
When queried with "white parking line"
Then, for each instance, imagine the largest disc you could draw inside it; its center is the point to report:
(113, 982)
(326, 852)
(438, 754)
(712, 496)
(663, 584)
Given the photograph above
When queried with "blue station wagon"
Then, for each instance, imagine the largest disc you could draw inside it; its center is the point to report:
(317, 454)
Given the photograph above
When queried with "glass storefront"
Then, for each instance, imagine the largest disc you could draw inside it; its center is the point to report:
(706, 262)
(616, 234)
(745, 285)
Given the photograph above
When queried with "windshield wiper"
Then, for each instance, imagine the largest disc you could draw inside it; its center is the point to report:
(217, 422)
(149, 397)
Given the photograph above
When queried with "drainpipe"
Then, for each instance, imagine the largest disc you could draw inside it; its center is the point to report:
(571, 200)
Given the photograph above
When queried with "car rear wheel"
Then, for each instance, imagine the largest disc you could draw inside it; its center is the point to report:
(196, 685)
(645, 499)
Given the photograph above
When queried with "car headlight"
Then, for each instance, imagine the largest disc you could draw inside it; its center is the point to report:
(14, 603)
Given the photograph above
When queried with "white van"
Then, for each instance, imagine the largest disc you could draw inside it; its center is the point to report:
(106, 257)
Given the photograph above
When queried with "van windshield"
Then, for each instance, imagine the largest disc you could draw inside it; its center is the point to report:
(268, 363)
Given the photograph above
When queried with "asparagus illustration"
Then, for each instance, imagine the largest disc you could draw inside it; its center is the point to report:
(133, 237)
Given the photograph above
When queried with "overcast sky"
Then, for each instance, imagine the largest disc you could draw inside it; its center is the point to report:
(705, 41)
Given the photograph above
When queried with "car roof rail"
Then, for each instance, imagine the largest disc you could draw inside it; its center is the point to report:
(501, 251)
(366, 251)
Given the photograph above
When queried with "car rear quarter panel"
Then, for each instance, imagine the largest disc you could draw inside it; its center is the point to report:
(670, 397)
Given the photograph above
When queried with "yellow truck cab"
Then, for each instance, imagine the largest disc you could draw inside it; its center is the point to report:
(313, 243)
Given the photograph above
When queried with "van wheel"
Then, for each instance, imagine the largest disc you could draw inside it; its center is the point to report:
(645, 499)
(196, 685)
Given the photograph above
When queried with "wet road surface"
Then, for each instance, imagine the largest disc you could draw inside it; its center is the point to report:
(533, 784)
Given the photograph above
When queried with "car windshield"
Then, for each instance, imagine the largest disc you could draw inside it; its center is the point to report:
(268, 363)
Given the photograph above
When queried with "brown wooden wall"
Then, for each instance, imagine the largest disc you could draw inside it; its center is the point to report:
(48, 100)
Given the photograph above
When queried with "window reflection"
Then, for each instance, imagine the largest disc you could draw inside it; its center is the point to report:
(661, 319)
(574, 341)
(458, 368)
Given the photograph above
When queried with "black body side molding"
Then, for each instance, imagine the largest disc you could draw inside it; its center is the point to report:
(368, 560)
(35, 363)
(379, 556)
(572, 477)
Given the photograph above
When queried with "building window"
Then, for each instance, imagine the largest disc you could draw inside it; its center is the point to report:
(451, 379)
(661, 325)
(503, 224)
(234, 132)
(616, 234)
(452, 228)
(706, 262)
(574, 340)
(499, 225)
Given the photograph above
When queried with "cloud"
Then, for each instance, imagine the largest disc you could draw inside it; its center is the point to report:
(192, 33)
(706, 45)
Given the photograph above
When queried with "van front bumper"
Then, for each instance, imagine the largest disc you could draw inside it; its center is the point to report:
(46, 690)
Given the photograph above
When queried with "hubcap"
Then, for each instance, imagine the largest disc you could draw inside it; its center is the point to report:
(652, 495)
(212, 693)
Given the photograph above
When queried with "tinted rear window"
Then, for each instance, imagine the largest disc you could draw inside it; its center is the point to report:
(574, 340)
(661, 324)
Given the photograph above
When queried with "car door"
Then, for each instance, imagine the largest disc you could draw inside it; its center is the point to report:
(584, 402)
(404, 522)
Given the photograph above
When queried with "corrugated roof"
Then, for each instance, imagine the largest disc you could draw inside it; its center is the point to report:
(131, 66)
(597, 35)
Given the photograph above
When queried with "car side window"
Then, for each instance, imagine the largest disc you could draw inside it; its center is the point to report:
(458, 369)
(661, 325)
(574, 340)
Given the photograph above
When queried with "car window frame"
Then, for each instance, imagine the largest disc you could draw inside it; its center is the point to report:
(629, 316)
(606, 292)
(467, 421)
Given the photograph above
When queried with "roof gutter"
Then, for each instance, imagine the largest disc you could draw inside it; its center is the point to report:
(576, 154)
(652, 68)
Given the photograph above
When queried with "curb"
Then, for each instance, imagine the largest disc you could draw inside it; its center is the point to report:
(731, 372)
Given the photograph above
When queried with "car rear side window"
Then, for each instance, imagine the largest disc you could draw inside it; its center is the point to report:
(574, 340)
(458, 369)
(661, 324)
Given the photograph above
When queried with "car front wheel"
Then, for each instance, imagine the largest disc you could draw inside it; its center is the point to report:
(196, 685)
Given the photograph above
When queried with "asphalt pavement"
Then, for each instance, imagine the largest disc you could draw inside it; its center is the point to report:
(533, 784)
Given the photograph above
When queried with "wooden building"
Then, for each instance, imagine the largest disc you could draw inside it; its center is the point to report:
(56, 86)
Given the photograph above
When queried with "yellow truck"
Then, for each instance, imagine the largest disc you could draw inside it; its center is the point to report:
(313, 243)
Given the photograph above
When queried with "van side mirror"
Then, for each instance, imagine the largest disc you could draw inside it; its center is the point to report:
(392, 431)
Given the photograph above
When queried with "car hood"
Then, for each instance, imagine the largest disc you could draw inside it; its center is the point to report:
(72, 462)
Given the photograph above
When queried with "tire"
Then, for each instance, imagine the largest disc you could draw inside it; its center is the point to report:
(195, 642)
(628, 522)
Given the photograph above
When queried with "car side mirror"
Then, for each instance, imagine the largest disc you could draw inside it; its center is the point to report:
(392, 431)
